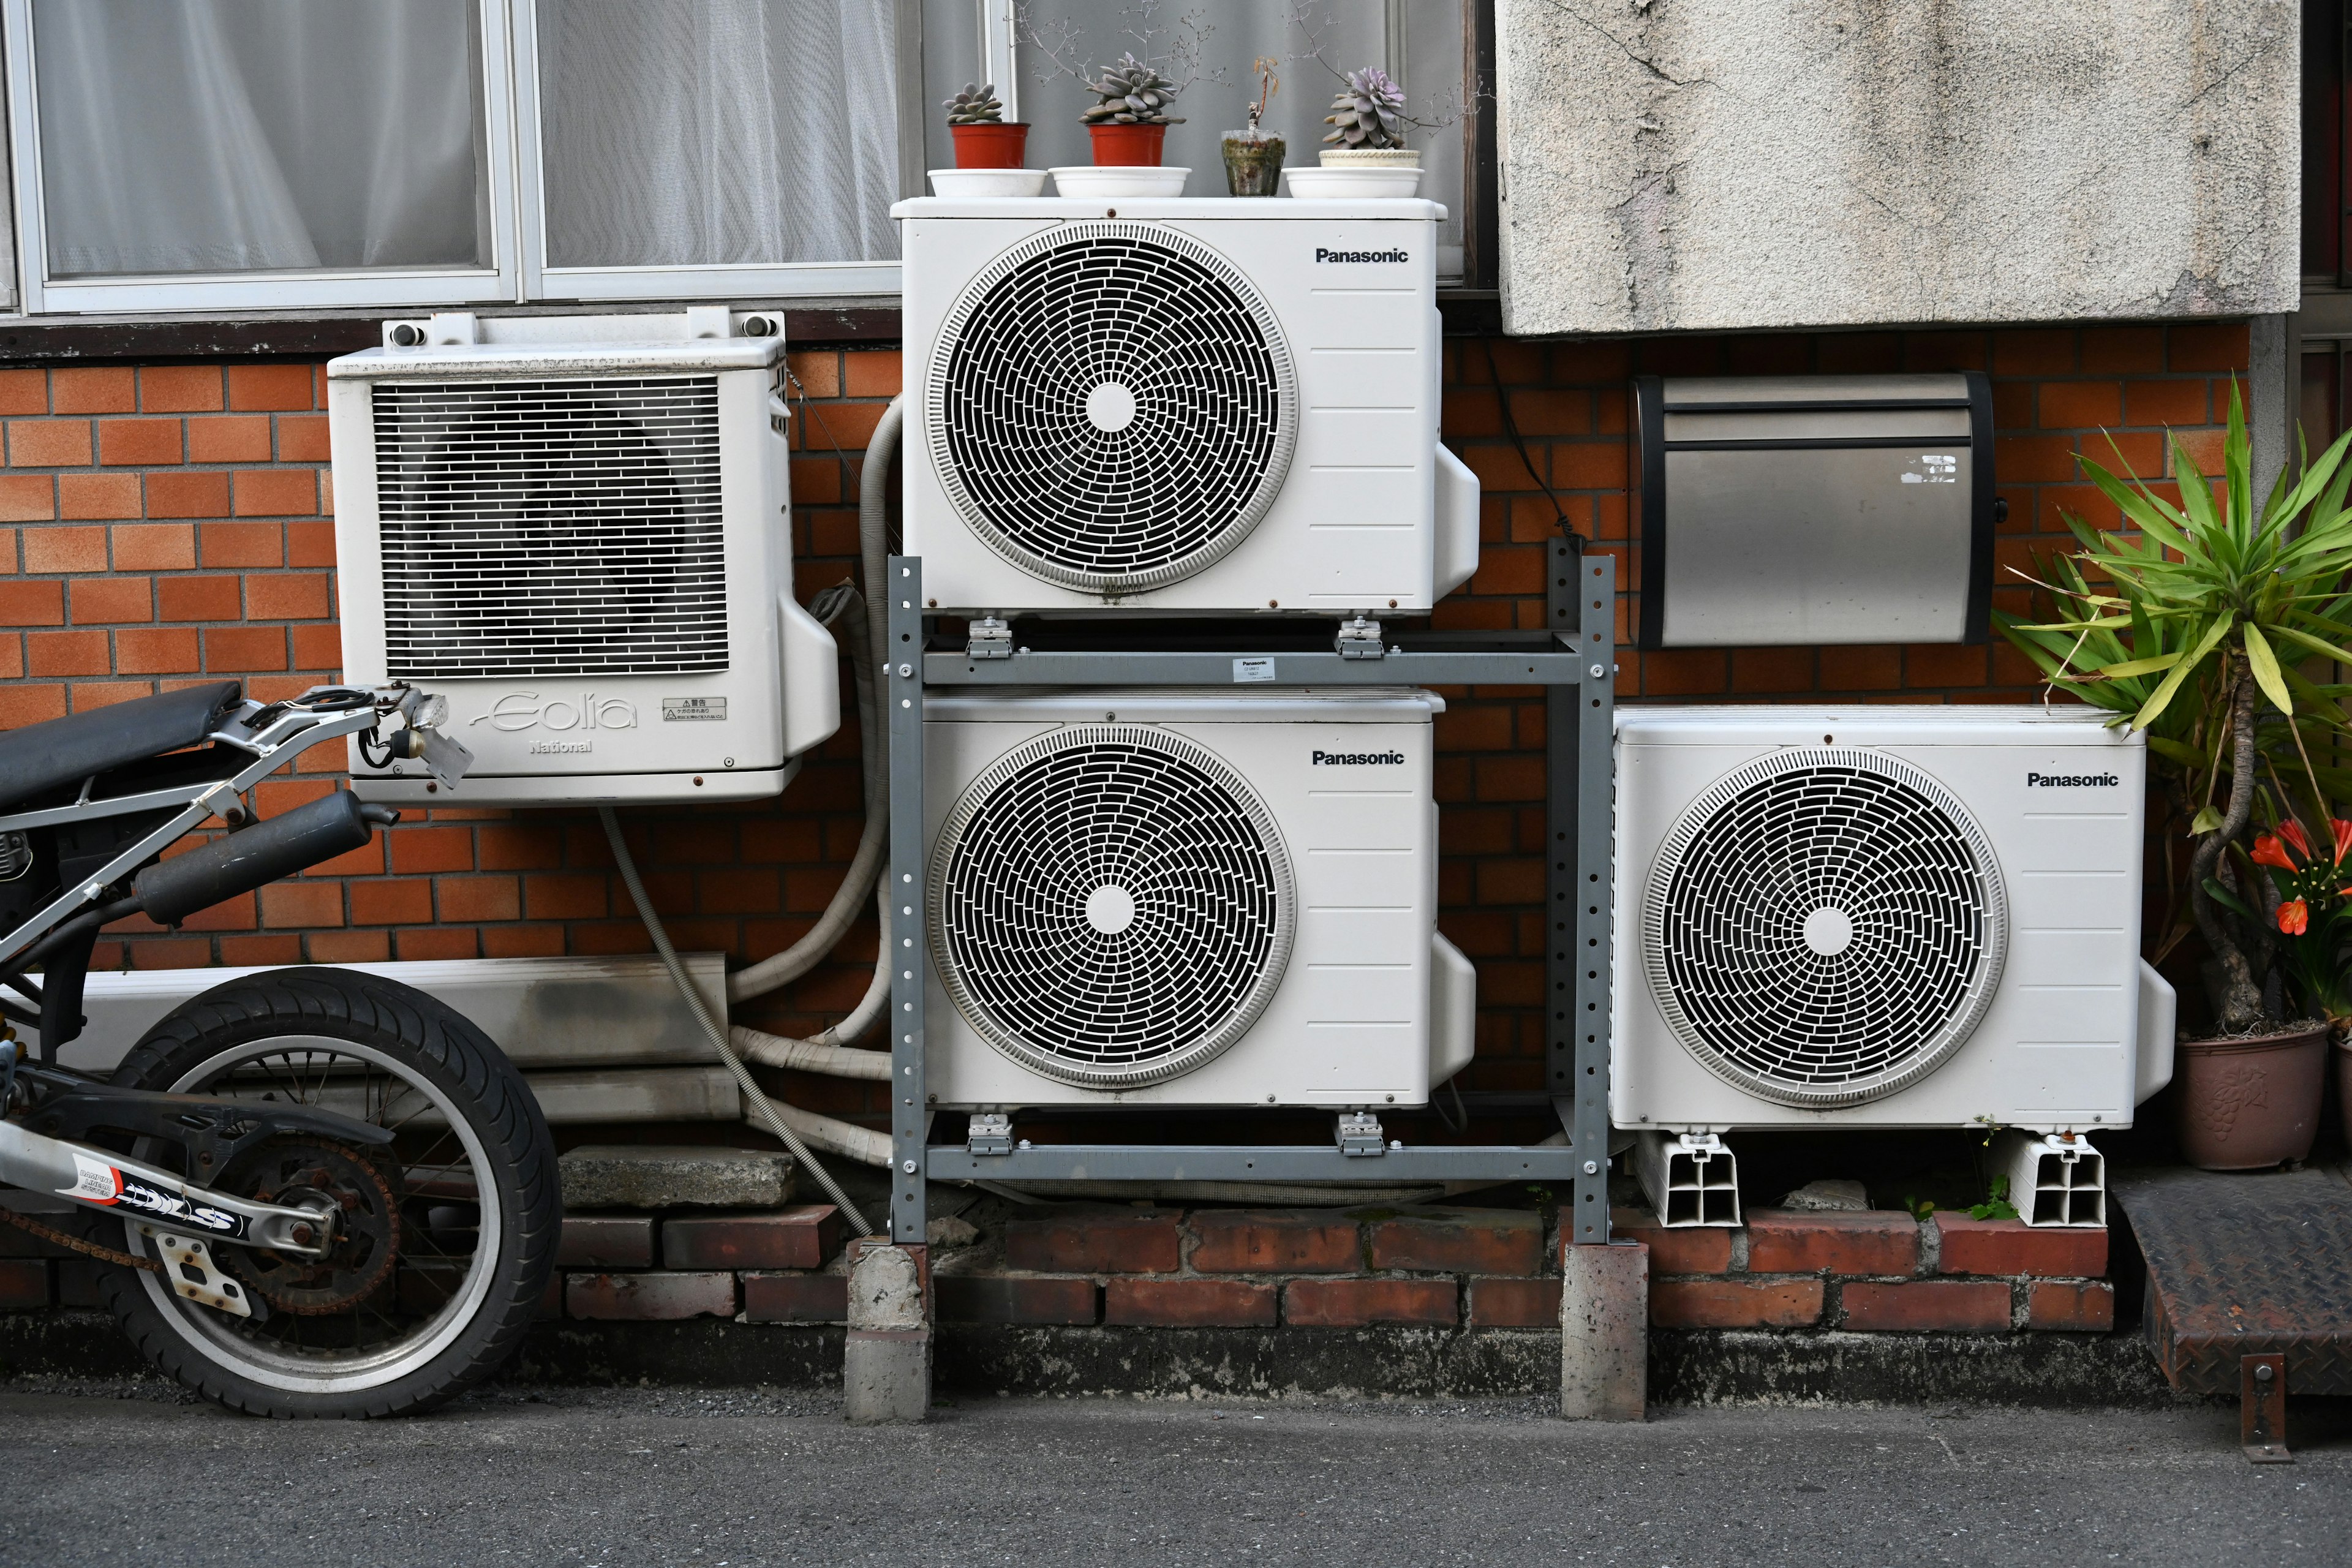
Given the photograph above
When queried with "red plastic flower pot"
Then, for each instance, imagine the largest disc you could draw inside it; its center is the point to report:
(989, 146)
(1128, 147)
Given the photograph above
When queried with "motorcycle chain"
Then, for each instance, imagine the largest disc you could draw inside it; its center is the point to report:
(76, 1244)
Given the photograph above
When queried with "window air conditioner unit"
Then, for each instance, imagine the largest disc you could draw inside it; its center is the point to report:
(579, 530)
(1188, 898)
(1881, 917)
(1195, 407)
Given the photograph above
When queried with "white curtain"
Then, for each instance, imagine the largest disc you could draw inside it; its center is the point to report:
(678, 133)
(245, 135)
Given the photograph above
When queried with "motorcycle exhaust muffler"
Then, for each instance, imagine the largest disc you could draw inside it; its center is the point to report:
(170, 891)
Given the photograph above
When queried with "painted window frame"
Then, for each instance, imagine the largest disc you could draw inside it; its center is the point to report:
(173, 293)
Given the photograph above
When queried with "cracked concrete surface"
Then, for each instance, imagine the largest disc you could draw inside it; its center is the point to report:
(1726, 164)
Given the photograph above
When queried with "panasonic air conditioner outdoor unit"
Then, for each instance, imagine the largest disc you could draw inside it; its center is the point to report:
(1195, 407)
(1881, 917)
(1188, 898)
(578, 529)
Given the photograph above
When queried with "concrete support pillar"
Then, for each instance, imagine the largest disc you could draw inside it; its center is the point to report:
(2274, 387)
(886, 1370)
(1604, 1331)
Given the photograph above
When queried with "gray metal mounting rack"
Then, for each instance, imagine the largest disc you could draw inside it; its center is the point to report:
(1574, 658)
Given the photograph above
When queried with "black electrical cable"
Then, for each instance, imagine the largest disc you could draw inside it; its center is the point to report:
(1511, 428)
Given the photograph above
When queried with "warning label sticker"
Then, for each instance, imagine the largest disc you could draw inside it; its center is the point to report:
(694, 709)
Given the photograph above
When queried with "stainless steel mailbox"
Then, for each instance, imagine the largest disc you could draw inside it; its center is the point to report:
(1813, 509)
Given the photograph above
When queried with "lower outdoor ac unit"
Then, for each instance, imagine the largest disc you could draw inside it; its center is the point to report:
(578, 529)
(1188, 898)
(1881, 917)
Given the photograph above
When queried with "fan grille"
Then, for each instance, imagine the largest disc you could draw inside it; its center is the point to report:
(550, 527)
(1111, 406)
(1111, 905)
(1825, 927)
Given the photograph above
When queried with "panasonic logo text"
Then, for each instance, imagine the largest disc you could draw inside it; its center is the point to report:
(1359, 759)
(1323, 255)
(2071, 781)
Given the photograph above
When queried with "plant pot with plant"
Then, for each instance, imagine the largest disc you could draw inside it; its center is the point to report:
(1253, 157)
(2193, 625)
(988, 148)
(1127, 123)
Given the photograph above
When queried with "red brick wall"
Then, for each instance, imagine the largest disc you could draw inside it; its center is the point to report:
(162, 522)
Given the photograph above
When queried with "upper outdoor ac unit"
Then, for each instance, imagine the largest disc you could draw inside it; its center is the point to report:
(1188, 898)
(1879, 917)
(579, 530)
(1196, 406)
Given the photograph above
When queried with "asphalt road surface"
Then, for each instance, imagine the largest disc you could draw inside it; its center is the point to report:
(746, 1478)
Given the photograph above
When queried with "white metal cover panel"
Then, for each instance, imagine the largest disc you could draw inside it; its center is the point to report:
(1348, 1024)
(1352, 527)
(2056, 1050)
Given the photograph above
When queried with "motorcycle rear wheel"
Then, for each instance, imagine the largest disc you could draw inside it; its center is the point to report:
(475, 1214)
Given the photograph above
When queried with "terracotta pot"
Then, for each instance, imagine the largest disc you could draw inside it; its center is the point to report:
(1128, 147)
(989, 146)
(2249, 1103)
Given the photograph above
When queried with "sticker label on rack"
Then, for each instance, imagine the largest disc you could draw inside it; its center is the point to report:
(1250, 671)
(694, 709)
(95, 1180)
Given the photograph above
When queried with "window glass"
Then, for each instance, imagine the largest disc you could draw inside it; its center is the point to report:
(213, 136)
(700, 132)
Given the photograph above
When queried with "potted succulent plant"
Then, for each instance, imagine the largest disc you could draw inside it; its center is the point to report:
(1128, 123)
(2192, 627)
(983, 138)
(1253, 157)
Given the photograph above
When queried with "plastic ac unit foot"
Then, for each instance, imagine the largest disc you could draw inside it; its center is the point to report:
(2055, 1178)
(1690, 1178)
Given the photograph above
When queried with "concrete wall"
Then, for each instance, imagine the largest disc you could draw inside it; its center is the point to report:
(1734, 164)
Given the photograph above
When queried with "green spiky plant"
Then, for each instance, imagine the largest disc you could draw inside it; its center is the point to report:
(973, 105)
(2192, 625)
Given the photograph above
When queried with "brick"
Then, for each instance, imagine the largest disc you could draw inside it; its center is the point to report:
(479, 899)
(98, 601)
(302, 439)
(201, 599)
(1683, 1250)
(310, 545)
(32, 604)
(288, 597)
(2209, 348)
(1274, 1241)
(661, 1297)
(1188, 1303)
(1515, 1303)
(232, 648)
(271, 386)
(1792, 1241)
(49, 443)
(267, 492)
(27, 498)
(1735, 1303)
(180, 388)
(1014, 1299)
(98, 496)
(606, 1241)
(231, 438)
(1096, 1241)
(123, 443)
(64, 550)
(1933, 1305)
(292, 905)
(803, 1236)
(21, 705)
(1459, 1241)
(2071, 1308)
(874, 373)
(2012, 1246)
(155, 651)
(94, 389)
(1352, 1303)
(154, 547)
(386, 904)
(194, 495)
(2166, 402)
(24, 1284)
(66, 653)
(796, 1298)
(23, 391)
(416, 849)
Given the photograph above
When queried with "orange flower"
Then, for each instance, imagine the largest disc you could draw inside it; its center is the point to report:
(2268, 851)
(2294, 917)
(2292, 831)
(2343, 831)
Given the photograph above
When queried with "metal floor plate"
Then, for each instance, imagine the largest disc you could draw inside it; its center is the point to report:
(2243, 1264)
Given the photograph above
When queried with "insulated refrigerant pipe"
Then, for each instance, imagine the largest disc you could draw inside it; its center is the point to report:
(867, 657)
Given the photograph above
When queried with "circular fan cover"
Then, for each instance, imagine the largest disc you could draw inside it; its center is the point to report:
(1111, 406)
(1825, 927)
(1110, 905)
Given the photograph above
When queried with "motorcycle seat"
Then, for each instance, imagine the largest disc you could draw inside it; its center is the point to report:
(56, 752)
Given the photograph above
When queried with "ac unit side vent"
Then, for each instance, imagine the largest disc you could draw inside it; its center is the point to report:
(1112, 406)
(1112, 906)
(1825, 926)
(551, 527)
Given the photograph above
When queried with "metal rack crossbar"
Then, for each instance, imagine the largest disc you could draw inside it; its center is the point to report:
(1574, 658)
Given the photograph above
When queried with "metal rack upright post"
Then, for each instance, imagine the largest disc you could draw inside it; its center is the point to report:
(1574, 658)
